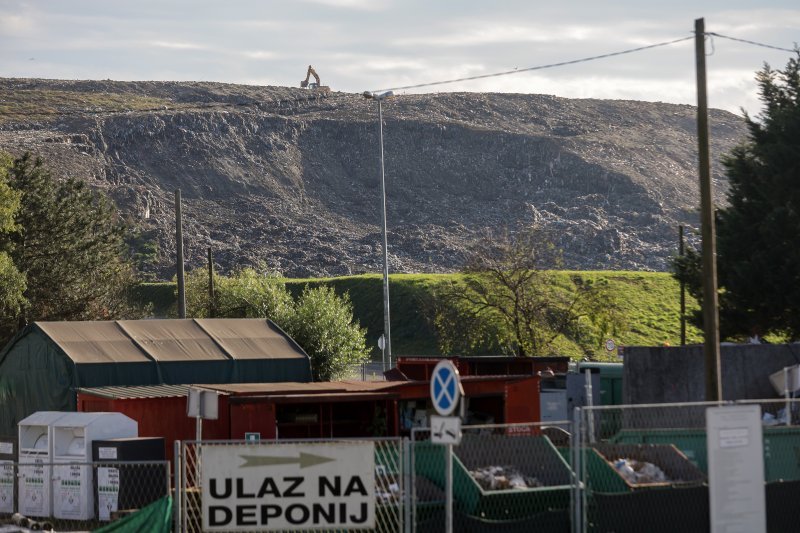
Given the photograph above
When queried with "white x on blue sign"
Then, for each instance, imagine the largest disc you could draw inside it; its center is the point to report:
(445, 390)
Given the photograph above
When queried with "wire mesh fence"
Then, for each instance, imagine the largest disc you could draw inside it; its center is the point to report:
(513, 477)
(387, 474)
(646, 467)
(75, 496)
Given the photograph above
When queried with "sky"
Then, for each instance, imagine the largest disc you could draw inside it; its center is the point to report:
(358, 45)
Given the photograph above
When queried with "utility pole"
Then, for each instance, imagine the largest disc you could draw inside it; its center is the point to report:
(179, 261)
(683, 288)
(710, 297)
(210, 284)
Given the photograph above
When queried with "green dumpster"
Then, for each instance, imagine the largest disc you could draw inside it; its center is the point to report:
(533, 456)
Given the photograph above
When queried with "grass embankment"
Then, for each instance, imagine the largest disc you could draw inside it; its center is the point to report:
(649, 300)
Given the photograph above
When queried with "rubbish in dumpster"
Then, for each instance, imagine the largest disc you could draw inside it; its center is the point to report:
(636, 472)
(502, 478)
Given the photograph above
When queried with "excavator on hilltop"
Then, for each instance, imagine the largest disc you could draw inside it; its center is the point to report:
(315, 85)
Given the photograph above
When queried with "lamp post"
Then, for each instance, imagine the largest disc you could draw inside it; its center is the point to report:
(380, 97)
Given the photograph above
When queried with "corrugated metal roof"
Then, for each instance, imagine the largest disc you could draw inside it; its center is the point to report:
(145, 391)
(302, 388)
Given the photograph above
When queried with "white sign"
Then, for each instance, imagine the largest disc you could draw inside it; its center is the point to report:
(250, 487)
(106, 452)
(202, 404)
(445, 387)
(7, 487)
(107, 492)
(7, 448)
(445, 429)
(736, 469)
(610, 345)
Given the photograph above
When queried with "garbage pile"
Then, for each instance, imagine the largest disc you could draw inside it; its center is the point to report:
(636, 472)
(502, 478)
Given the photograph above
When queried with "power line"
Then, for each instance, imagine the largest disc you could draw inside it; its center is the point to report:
(540, 67)
(750, 42)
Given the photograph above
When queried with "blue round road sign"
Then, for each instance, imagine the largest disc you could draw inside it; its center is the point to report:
(445, 389)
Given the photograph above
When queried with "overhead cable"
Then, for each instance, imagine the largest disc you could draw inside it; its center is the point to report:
(539, 67)
(750, 42)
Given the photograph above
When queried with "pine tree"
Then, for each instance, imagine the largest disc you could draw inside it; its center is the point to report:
(69, 244)
(758, 233)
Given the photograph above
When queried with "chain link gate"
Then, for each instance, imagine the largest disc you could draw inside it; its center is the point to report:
(390, 478)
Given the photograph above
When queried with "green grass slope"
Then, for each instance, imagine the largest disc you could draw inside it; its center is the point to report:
(649, 300)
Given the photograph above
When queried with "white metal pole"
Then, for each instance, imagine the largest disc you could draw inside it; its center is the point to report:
(178, 482)
(786, 393)
(386, 321)
(449, 488)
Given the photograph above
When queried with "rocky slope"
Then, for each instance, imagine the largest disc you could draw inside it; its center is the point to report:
(289, 179)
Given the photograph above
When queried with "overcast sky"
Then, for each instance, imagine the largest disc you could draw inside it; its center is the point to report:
(357, 45)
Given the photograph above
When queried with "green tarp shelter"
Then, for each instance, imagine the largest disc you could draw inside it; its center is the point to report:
(155, 518)
(44, 364)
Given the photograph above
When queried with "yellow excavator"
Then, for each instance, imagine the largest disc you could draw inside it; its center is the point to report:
(315, 85)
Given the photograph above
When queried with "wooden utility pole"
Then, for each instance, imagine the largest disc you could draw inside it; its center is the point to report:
(710, 298)
(179, 261)
(683, 289)
(210, 284)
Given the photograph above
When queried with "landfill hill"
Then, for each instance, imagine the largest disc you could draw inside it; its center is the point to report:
(289, 179)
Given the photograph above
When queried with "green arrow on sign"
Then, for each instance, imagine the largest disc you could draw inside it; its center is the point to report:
(305, 460)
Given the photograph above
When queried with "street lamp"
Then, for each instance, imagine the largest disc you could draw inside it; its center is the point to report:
(380, 97)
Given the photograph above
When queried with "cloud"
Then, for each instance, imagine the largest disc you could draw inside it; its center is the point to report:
(174, 45)
(359, 5)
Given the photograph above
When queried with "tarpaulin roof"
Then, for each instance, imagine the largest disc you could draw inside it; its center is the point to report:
(130, 341)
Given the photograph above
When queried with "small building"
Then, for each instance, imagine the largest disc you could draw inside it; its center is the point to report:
(46, 362)
(341, 409)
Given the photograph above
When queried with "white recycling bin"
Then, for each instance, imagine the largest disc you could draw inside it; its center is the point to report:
(35, 460)
(73, 494)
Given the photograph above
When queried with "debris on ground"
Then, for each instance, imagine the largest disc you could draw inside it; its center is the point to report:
(636, 472)
(502, 478)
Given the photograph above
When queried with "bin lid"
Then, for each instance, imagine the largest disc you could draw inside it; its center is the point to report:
(42, 418)
(86, 419)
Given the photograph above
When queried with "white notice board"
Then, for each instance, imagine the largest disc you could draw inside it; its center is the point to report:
(268, 487)
(736, 469)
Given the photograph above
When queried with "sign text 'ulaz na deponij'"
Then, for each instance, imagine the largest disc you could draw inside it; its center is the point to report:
(265, 487)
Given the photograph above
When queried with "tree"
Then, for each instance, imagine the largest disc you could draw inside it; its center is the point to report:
(320, 321)
(323, 325)
(68, 242)
(12, 281)
(758, 259)
(507, 301)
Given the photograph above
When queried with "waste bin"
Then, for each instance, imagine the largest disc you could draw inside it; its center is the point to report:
(121, 486)
(534, 457)
(35, 463)
(8, 473)
(621, 504)
(73, 475)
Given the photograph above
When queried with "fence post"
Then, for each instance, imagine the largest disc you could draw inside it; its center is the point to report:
(578, 478)
(408, 485)
(178, 481)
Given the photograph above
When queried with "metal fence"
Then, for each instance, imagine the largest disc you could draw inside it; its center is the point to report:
(390, 478)
(506, 478)
(636, 468)
(371, 371)
(646, 467)
(77, 496)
